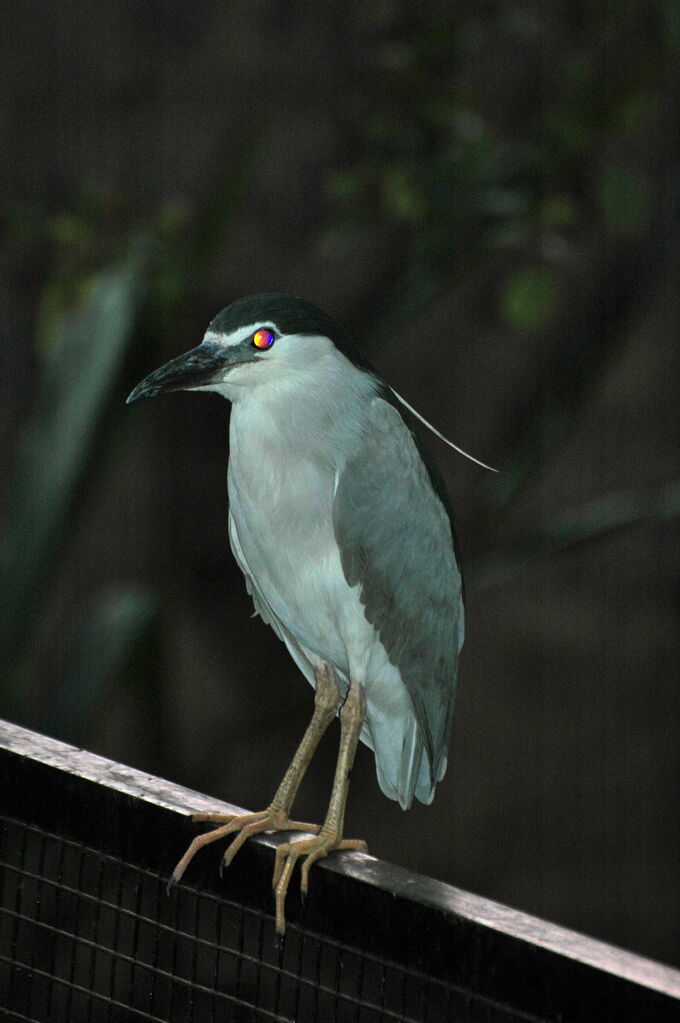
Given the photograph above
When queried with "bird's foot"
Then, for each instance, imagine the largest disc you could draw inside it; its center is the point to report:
(312, 849)
(241, 825)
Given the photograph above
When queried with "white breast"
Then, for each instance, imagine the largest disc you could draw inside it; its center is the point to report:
(282, 512)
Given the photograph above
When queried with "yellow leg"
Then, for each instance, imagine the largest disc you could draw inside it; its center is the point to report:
(330, 835)
(276, 816)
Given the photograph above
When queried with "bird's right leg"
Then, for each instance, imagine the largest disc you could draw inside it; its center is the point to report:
(276, 817)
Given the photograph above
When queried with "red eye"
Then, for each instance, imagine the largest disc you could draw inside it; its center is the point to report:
(263, 338)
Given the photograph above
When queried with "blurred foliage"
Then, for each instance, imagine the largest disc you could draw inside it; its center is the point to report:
(110, 283)
(623, 199)
(104, 638)
(437, 158)
(579, 526)
(535, 194)
(530, 297)
(84, 239)
(437, 155)
(82, 349)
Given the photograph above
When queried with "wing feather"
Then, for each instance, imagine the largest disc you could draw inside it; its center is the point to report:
(396, 541)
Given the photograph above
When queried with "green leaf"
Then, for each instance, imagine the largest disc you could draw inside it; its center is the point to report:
(529, 298)
(401, 197)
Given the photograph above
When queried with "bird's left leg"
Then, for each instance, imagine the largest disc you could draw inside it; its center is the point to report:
(330, 835)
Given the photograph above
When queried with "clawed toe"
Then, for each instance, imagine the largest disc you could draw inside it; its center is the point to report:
(313, 849)
(243, 826)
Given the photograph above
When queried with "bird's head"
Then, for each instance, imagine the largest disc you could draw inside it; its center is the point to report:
(261, 340)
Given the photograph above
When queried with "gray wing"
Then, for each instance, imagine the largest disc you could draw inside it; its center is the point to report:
(396, 541)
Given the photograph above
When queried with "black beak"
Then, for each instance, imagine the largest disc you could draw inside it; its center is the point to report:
(197, 368)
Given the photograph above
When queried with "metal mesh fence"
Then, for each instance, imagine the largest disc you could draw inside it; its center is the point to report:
(88, 937)
(89, 931)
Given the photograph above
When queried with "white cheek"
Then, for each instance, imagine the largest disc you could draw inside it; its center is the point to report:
(238, 379)
(248, 374)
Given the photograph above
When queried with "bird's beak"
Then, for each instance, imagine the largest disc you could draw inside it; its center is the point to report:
(200, 367)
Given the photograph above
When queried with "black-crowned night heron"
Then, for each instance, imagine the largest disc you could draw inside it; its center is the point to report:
(342, 530)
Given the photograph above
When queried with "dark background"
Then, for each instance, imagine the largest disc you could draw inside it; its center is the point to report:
(486, 194)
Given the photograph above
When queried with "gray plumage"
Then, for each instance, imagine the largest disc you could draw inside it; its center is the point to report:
(396, 542)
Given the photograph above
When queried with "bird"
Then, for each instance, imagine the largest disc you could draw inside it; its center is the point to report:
(343, 530)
